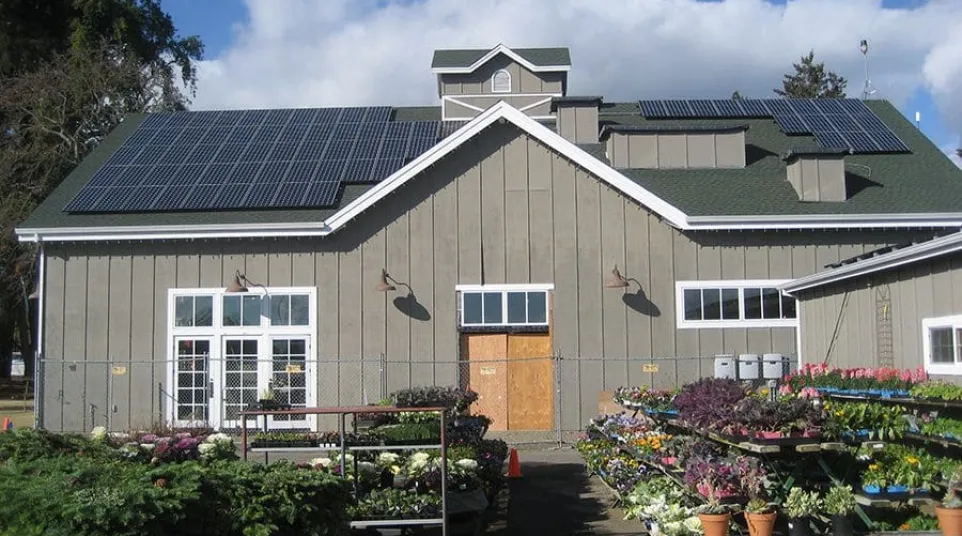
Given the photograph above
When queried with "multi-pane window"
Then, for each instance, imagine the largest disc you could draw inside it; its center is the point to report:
(501, 82)
(942, 344)
(231, 349)
(504, 306)
(734, 304)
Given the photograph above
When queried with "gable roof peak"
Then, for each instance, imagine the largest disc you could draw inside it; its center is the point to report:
(466, 60)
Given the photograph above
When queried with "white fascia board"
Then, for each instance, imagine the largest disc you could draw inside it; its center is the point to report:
(504, 111)
(500, 49)
(824, 221)
(911, 254)
(172, 232)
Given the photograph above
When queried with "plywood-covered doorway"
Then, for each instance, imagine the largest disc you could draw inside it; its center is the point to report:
(513, 374)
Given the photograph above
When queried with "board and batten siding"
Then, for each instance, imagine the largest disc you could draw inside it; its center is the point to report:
(503, 208)
(522, 79)
(843, 323)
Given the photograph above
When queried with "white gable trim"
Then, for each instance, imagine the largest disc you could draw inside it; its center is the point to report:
(500, 49)
(504, 111)
(887, 261)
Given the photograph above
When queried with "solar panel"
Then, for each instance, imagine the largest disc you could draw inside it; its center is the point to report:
(339, 150)
(302, 171)
(791, 123)
(85, 199)
(112, 197)
(241, 134)
(889, 142)
(652, 108)
(393, 148)
(255, 152)
(216, 134)
(818, 123)
(143, 136)
(345, 131)
(278, 117)
(272, 173)
(310, 150)
(832, 140)
(172, 198)
(260, 195)
(447, 128)
(754, 108)
(377, 114)
(843, 123)
(321, 194)
(289, 194)
(203, 119)
(304, 116)
(202, 154)
(141, 199)
(177, 120)
(725, 108)
(828, 106)
(200, 197)
(398, 130)
(678, 108)
(216, 174)
(366, 148)
(252, 117)
(385, 167)
(330, 170)
(124, 156)
(229, 118)
(282, 151)
(862, 142)
(358, 170)
(293, 133)
(246, 172)
(328, 115)
(166, 136)
(231, 195)
(156, 120)
(802, 106)
(266, 134)
(352, 115)
(187, 175)
(418, 147)
(425, 130)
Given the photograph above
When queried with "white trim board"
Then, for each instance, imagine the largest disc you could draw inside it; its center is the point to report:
(911, 254)
(740, 285)
(954, 322)
(500, 112)
(500, 49)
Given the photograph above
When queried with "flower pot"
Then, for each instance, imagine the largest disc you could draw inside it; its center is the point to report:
(842, 526)
(950, 520)
(770, 435)
(799, 527)
(760, 524)
(715, 524)
(812, 433)
(872, 489)
(898, 489)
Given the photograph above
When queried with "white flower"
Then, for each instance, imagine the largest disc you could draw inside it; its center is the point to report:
(420, 456)
(218, 438)
(348, 458)
(387, 458)
(98, 433)
(323, 462)
(148, 446)
(206, 448)
(467, 464)
(417, 466)
(693, 524)
(366, 467)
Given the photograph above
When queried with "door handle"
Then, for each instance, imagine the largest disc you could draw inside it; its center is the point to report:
(210, 388)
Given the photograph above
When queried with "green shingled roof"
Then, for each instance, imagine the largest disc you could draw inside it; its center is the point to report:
(466, 57)
(925, 181)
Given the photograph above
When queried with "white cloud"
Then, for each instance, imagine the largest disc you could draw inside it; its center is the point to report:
(343, 52)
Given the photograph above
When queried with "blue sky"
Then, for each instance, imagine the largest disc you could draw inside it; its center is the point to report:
(218, 23)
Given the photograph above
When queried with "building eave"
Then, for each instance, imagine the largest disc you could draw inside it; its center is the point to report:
(500, 49)
(916, 253)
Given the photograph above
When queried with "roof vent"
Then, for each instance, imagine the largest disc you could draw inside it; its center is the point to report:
(817, 173)
(577, 118)
(652, 145)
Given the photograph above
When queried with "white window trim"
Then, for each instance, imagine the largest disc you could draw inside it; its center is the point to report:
(681, 323)
(504, 290)
(217, 334)
(494, 88)
(954, 322)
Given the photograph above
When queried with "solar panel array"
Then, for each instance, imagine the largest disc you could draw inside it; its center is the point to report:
(835, 123)
(248, 159)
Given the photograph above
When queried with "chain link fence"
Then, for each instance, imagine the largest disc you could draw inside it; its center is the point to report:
(538, 399)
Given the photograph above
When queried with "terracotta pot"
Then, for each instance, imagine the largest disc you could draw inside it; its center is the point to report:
(950, 520)
(760, 524)
(715, 524)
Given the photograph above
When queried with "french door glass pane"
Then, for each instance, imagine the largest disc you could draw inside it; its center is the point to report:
(943, 348)
(240, 376)
(537, 307)
(288, 371)
(242, 310)
(788, 307)
(191, 381)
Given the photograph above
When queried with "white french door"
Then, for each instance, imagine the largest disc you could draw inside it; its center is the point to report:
(192, 389)
(238, 380)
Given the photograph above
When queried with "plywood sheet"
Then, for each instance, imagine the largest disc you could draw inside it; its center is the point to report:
(487, 375)
(530, 382)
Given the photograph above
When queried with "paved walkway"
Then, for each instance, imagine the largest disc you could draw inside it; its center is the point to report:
(557, 497)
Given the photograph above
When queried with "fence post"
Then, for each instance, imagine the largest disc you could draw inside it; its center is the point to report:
(557, 385)
(38, 386)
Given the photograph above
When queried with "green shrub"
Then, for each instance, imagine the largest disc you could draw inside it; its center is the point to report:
(424, 431)
(27, 444)
(82, 496)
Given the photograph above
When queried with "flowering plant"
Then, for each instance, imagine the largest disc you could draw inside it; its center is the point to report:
(645, 398)
(719, 478)
(876, 381)
(709, 402)
(801, 503)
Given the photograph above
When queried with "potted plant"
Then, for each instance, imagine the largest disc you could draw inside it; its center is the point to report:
(839, 503)
(266, 401)
(800, 506)
(874, 479)
(715, 517)
(760, 515)
(949, 511)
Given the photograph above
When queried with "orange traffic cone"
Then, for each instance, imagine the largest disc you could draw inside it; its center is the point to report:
(514, 466)
(7, 424)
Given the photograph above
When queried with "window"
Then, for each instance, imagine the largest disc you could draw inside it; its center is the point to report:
(942, 344)
(229, 349)
(501, 82)
(504, 305)
(734, 304)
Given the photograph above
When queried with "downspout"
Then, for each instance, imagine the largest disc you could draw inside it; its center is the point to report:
(38, 344)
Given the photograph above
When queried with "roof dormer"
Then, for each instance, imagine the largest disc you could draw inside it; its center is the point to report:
(472, 80)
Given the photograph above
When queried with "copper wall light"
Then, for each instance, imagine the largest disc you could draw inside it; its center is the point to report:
(616, 280)
(384, 284)
(236, 286)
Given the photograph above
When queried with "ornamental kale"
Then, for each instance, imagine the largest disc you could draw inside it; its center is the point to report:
(709, 402)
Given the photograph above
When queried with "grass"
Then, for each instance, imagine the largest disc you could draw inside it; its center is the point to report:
(20, 412)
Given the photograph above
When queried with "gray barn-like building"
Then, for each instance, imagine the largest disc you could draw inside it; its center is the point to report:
(897, 307)
(382, 247)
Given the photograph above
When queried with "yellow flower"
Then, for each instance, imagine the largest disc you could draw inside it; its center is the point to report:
(764, 391)
(904, 527)
(873, 467)
(912, 460)
(839, 413)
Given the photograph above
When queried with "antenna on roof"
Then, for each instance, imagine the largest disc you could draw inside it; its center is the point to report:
(868, 90)
(918, 120)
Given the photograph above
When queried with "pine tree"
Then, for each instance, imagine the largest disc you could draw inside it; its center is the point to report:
(811, 81)
(737, 95)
